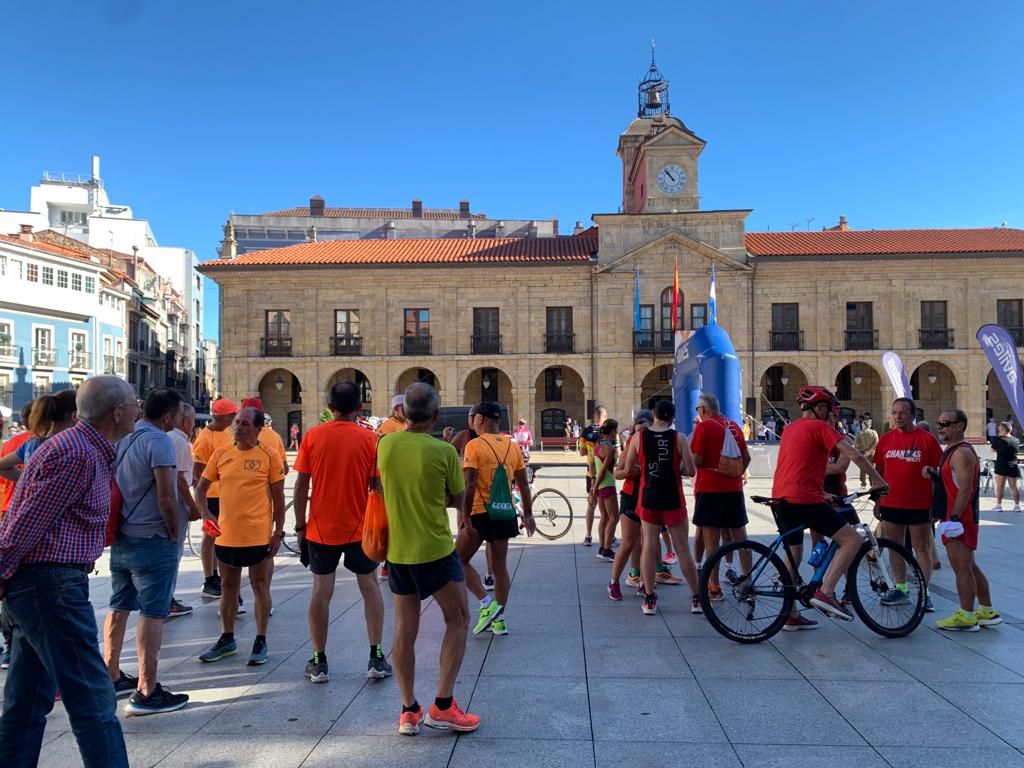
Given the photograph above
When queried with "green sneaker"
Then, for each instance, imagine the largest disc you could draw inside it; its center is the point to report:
(487, 616)
(499, 627)
(961, 621)
(988, 617)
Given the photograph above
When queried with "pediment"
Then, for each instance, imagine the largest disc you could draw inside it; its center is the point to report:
(673, 136)
(669, 242)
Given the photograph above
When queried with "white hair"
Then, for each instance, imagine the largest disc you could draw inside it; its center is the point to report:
(100, 395)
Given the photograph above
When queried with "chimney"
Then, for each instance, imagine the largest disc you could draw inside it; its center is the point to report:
(531, 231)
(390, 233)
(228, 246)
(578, 229)
(25, 232)
(417, 209)
(554, 226)
(471, 229)
(95, 167)
(316, 206)
(463, 209)
(842, 224)
(499, 229)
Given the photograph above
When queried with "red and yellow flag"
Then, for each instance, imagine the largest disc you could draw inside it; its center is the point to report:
(675, 300)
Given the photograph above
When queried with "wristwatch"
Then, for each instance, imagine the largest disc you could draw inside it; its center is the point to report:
(299, 528)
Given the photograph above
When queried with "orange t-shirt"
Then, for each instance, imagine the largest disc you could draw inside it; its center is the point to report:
(246, 511)
(207, 442)
(389, 425)
(483, 454)
(339, 458)
(272, 440)
(6, 486)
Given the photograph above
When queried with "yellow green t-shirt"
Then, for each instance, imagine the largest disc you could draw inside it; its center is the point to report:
(418, 472)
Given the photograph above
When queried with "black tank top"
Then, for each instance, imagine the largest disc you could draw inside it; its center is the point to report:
(661, 479)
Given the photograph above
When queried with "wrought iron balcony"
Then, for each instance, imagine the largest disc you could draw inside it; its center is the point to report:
(347, 345)
(862, 339)
(787, 341)
(10, 352)
(560, 343)
(44, 357)
(416, 345)
(486, 344)
(79, 361)
(108, 364)
(936, 338)
(643, 342)
(276, 346)
(7, 397)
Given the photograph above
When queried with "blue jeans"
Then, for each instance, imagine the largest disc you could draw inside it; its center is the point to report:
(55, 648)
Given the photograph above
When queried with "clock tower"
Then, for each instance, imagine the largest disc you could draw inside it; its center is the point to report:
(659, 153)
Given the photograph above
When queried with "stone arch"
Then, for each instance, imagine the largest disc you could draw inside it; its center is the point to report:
(997, 404)
(780, 383)
(562, 387)
(656, 385)
(281, 392)
(360, 379)
(498, 388)
(412, 375)
(933, 387)
(858, 385)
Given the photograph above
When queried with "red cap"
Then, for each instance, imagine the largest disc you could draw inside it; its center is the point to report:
(253, 402)
(223, 407)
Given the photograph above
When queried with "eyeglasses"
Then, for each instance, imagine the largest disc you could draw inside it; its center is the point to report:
(945, 424)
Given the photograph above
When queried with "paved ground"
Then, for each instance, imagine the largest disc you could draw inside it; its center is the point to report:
(581, 681)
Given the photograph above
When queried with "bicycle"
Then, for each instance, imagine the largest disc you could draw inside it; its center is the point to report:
(552, 511)
(762, 598)
(194, 535)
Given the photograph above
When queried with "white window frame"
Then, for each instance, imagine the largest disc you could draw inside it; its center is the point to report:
(42, 275)
(53, 348)
(76, 277)
(12, 345)
(47, 388)
(88, 279)
(72, 333)
(62, 273)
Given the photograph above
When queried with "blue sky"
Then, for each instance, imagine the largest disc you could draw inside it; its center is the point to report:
(894, 114)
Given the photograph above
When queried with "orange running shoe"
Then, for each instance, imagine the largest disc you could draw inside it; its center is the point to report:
(452, 719)
(409, 722)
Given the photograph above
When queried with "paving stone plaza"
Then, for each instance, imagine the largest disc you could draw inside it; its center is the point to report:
(582, 681)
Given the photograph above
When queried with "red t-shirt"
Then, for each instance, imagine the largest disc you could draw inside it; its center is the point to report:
(899, 458)
(803, 456)
(6, 486)
(707, 440)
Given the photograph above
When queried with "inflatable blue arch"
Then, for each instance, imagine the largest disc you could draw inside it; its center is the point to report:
(706, 362)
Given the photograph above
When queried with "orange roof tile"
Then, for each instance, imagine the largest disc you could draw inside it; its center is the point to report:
(422, 251)
(885, 242)
(41, 245)
(376, 213)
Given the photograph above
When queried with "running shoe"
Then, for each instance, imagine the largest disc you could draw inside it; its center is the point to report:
(614, 591)
(988, 617)
(796, 623)
(383, 575)
(1016, 508)
(241, 607)
(220, 650)
(377, 668)
(489, 583)
(259, 653)
(211, 588)
(640, 590)
(996, 508)
(961, 621)
(317, 672)
(125, 685)
(666, 577)
(159, 701)
(178, 608)
(895, 596)
(671, 558)
(929, 607)
(828, 605)
(487, 615)
(650, 606)
(5, 660)
(695, 606)
(633, 579)
(588, 541)
(715, 595)
(451, 719)
(499, 627)
(608, 555)
(409, 722)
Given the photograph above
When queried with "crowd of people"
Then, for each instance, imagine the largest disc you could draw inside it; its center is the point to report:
(96, 468)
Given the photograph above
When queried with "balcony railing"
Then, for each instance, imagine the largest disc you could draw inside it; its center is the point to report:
(651, 342)
(1018, 336)
(276, 346)
(560, 343)
(44, 357)
(936, 338)
(10, 352)
(108, 364)
(79, 361)
(486, 343)
(416, 345)
(787, 341)
(862, 339)
(347, 345)
(7, 398)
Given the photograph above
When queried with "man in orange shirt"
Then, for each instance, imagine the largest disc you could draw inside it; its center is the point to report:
(268, 435)
(339, 458)
(396, 421)
(218, 434)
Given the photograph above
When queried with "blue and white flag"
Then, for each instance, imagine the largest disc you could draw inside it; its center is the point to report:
(712, 312)
(1001, 351)
(897, 374)
(636, 299)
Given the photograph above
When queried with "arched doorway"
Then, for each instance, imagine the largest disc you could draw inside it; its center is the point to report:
(560, 395)
(360, 379)
(411, 376)
(655, 386)
(281, 393)
(933, 387)
(997, 405)
(859, 387)
(780, 385)
(490, 385)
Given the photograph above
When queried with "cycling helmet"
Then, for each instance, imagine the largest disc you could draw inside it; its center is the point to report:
(812, 396)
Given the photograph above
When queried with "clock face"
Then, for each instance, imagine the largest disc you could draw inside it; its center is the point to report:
(671, 179)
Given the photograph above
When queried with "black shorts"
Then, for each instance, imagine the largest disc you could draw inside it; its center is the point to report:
(905, 516)
(590, 483)
(494, 530)
(242, 557)
(424, 579)
(823, 518)
(213, 504)
(1006, 471)
(324, 558)
(627, 506)
(720, 510)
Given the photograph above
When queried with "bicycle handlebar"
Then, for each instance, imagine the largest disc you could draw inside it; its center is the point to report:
(769, 501)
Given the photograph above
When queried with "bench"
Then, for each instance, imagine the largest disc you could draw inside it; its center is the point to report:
(558, 442)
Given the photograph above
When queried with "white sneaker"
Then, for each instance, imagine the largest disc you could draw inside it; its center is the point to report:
(996, 508)
(1016, 508)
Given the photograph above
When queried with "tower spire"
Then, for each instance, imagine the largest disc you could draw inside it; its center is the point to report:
(652, 93)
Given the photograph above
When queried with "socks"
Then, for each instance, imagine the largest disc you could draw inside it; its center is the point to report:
(415, 706)
(903, 588)
(443, 703)
(261, 639)
(485, 602)
(319, 658)
(635, 572)
(376, 652)
(227, 637)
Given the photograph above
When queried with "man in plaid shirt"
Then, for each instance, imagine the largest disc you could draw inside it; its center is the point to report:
(49, 539)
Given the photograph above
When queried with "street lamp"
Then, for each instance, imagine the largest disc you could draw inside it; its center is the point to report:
(486, 381)
(784, 379)
(558, 380)
(858, 379)
(279, 383)
(932, 377)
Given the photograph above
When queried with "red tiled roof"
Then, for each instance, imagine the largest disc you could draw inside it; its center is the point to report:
(590, 231)
(40, 245)
(422, 251)
(376, 213)
(885, 242)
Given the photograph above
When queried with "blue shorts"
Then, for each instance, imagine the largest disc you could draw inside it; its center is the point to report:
(142, 573)
(424, 579)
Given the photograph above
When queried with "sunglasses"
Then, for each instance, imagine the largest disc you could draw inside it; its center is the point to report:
(945, 424)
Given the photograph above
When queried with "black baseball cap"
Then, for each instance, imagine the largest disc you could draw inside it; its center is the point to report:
(488, 410)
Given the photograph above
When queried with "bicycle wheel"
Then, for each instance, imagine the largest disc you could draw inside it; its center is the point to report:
(552, 512)
(755, 603)
(290, 541)
(870, 579)
(194, 536)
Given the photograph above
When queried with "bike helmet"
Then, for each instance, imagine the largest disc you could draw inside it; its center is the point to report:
(812, 396)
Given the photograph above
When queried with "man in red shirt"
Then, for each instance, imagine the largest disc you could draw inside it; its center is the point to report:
(900, 455)
(799, 483)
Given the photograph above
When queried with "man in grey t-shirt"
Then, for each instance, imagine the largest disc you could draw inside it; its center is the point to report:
(144, 559)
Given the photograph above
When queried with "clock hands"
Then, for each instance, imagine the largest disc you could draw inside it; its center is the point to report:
(669, 174)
